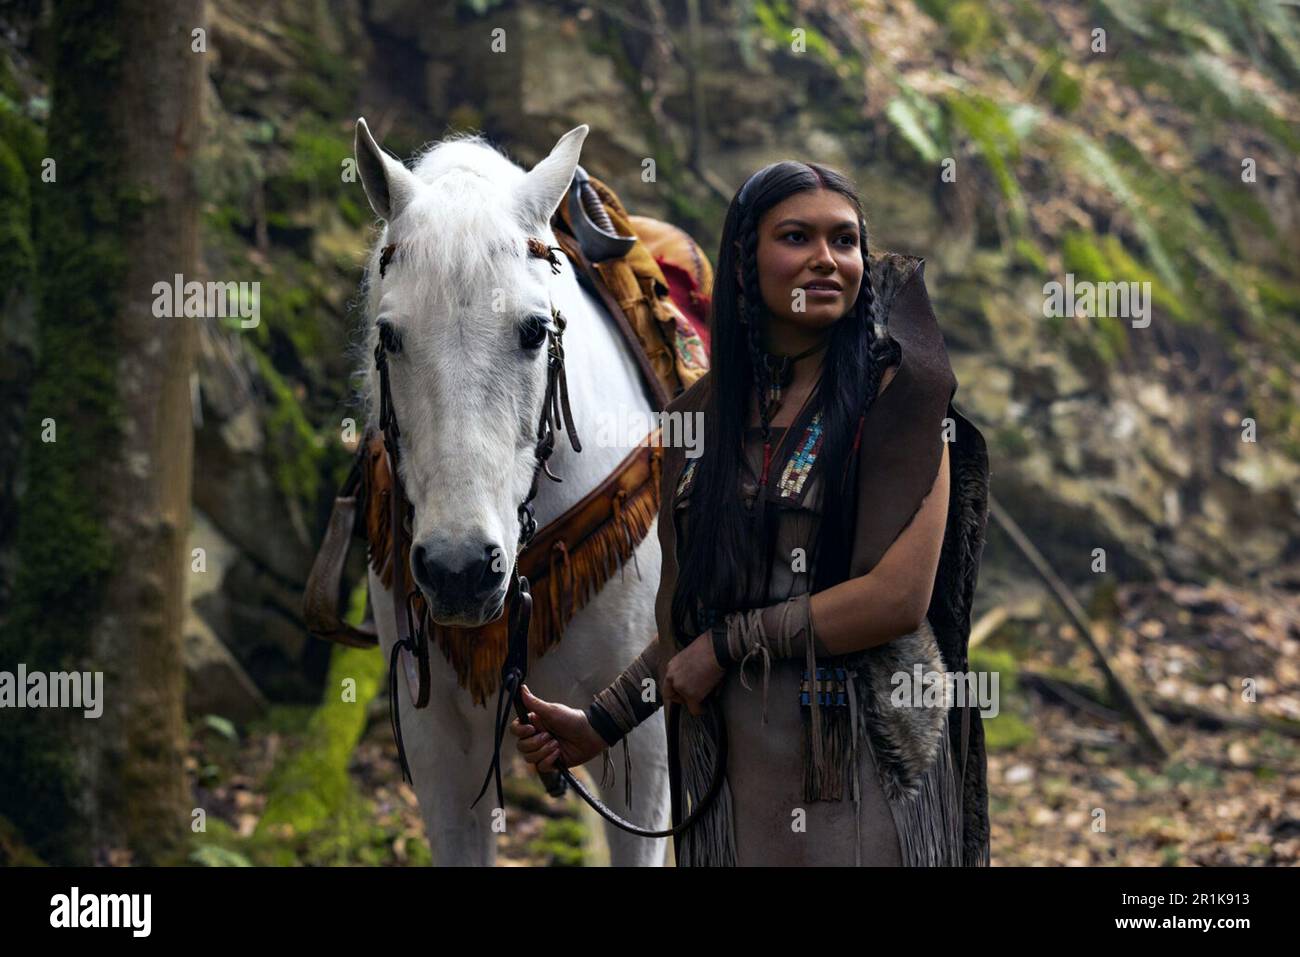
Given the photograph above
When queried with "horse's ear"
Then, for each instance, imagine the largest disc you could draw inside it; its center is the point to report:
(388, 184)
(546, 183)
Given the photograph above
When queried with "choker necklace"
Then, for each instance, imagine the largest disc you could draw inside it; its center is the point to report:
(780, 372)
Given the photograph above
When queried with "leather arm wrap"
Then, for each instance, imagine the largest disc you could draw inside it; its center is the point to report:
(781, 630)
(622, 706)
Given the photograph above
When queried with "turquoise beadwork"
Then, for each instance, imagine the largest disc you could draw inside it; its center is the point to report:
(687, 479)
(797, 468)
(799, 465)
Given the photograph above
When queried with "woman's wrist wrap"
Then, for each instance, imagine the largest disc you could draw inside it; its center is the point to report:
(622, 706)
(782, 630)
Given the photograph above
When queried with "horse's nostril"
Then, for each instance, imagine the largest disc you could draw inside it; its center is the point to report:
(428, 571)
(468, 572)
(486, 573)
(494, 569)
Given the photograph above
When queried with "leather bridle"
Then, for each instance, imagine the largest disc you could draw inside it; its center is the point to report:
(411, 632)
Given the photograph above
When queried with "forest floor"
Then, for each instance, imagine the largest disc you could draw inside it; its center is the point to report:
(1068, 782)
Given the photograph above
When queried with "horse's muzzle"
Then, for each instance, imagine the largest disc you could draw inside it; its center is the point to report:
(463, 581)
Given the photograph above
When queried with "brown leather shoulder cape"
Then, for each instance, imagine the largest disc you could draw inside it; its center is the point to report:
(899, 457)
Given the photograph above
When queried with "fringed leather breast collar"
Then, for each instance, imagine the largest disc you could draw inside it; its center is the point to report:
(567, 562)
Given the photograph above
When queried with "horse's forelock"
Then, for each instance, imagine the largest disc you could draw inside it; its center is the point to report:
(453, 237)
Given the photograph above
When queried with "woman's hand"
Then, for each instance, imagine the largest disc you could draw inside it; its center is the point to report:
(556, 736)
(692, 674)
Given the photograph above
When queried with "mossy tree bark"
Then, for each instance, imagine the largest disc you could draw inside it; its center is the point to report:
(102, 532)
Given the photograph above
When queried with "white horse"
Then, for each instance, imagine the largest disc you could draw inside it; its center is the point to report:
(467, 393)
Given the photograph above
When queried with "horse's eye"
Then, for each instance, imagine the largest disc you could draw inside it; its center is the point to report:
(533, 332)
(390, 338)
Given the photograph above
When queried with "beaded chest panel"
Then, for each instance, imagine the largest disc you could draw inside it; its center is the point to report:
(793, 478)
(797, 468)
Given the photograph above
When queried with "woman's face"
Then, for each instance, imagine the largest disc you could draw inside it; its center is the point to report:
(808, 240)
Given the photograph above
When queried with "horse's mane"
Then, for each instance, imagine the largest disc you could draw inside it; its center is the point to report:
(452, 239)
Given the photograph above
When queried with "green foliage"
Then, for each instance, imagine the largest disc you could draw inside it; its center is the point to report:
(920, 121)
(778, 21)
(295, 450)
(1093, 162)
(16, 252)
(1102, 260)
(316, 154)
(1199, 235)
(1011, 441)
(314, 815)
(1063, 90)
(1194, 774)
(1027, 255)
(1089, 263)
(312, 788)
(936, 10)
(1009, 729)
(775, 18)
(214, 855)
(561, 843)
(1148, 781)
(969, 25)
(20, 157)
(1006, 732)
(997, 132)
(355, 836)
(1186, 57)
(326, 81)
(222, 726)
(1240, 211)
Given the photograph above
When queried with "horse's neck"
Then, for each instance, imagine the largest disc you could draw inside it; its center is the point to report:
(605, 393)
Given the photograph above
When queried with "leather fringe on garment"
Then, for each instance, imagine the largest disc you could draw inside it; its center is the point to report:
(909, 745)
(829, 758)
(711, 842)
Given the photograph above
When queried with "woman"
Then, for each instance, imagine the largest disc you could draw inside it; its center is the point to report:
(825, 542)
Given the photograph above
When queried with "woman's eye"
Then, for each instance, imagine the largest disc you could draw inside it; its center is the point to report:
(532, 333)
(389, 338)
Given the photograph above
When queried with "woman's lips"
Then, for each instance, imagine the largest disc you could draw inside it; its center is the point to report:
(822, 293)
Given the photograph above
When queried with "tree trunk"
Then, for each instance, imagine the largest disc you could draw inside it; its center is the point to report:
(102, 532)
(137, 757)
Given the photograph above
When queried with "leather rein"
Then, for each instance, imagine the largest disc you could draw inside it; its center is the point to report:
(411, 632)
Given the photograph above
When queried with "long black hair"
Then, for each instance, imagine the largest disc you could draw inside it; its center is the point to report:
(722, 534)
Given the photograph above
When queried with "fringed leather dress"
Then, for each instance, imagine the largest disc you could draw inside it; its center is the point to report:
(772, 822)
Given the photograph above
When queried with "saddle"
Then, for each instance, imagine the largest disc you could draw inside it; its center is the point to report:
(655, 281)
(652, 274)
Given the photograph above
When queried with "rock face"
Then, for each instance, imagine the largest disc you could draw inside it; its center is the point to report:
(215, 682)
(1138, 441)
(235, 485)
